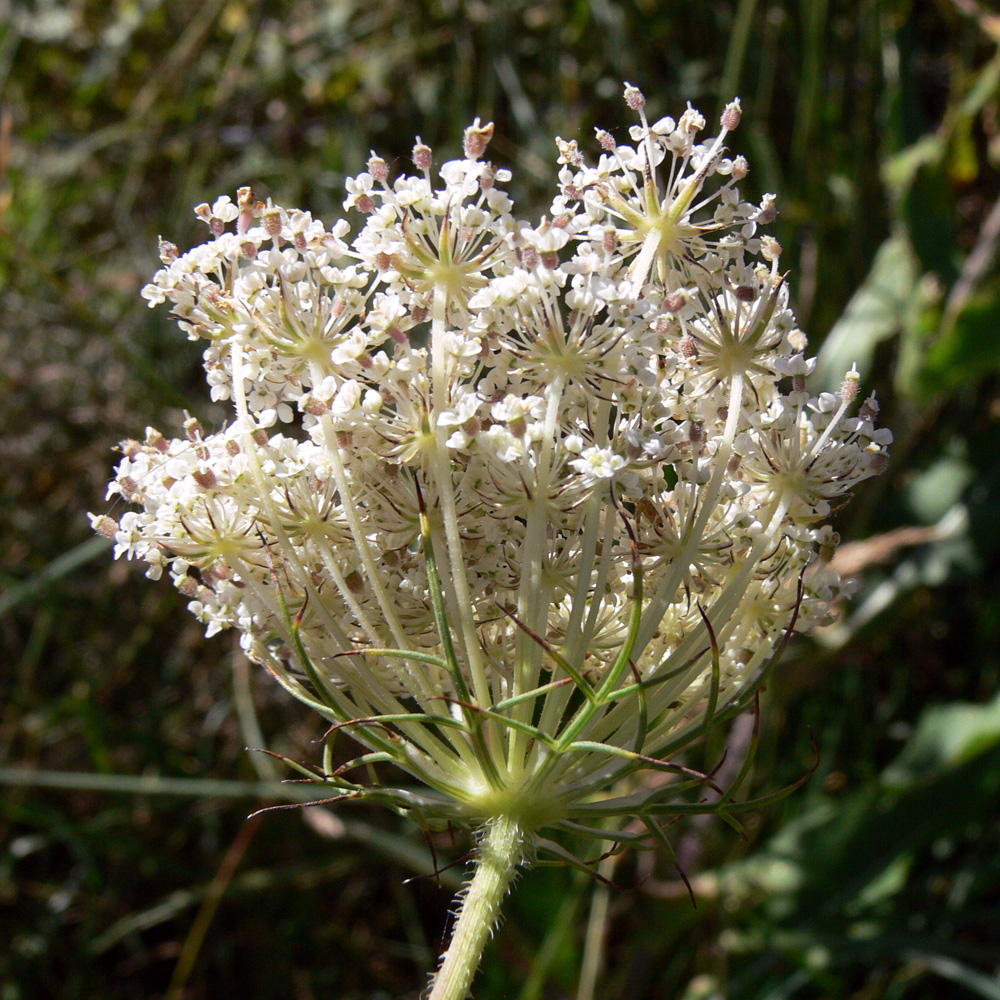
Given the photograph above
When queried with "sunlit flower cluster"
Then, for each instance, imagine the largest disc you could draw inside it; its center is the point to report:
(520, 504)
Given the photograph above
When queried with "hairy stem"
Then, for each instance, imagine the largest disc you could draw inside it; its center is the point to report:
(498, 859)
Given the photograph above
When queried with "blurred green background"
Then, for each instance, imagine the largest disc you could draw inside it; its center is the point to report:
(127, 867)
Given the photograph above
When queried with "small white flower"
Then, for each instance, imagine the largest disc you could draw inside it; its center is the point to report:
(598, 463)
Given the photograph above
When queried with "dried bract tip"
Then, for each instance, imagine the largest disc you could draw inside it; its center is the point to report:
(248, 209)
(569, 152)
(828, 546)
(869, 409)
(878, 462)
(168, 251)
(768, 210)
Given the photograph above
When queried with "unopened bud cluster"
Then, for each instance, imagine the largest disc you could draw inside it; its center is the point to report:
(535, 497)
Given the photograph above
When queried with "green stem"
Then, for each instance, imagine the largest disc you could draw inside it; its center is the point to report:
(499, 857)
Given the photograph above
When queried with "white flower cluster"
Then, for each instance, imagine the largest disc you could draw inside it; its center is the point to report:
(530, 498)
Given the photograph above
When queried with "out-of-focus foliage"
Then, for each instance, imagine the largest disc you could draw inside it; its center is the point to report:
(876, 121)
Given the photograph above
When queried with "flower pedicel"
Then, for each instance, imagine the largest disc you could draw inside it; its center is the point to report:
(523, 508)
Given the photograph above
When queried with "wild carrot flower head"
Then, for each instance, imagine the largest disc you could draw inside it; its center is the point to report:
(521, 506)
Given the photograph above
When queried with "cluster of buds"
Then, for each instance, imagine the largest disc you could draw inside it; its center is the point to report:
(523, 508)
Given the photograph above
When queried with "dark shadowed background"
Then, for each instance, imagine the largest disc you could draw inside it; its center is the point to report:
(127, 866)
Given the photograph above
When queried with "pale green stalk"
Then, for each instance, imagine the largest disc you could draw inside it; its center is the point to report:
(441, 467)
(499, 856)
(665, 593)
(532, 603)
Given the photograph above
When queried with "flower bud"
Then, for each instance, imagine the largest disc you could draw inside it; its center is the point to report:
(154, 439)
(106, 527)
(193, 428)
(272, 223)
(129, 488)
(477, 138)
(315, 407)
(529, 258)
(675, 302)
(606, 139)
(731, 116)
(770, 248)
(849, 387)
(423, 157)
(378, 168)
(634, 97)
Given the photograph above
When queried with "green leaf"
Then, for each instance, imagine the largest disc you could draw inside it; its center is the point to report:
(946, 736)
(935, 491)
(970, 350)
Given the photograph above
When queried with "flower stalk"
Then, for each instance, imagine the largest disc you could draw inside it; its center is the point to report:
(496, 865)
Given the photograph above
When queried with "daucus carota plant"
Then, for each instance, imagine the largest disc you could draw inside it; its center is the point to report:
(522, 508)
